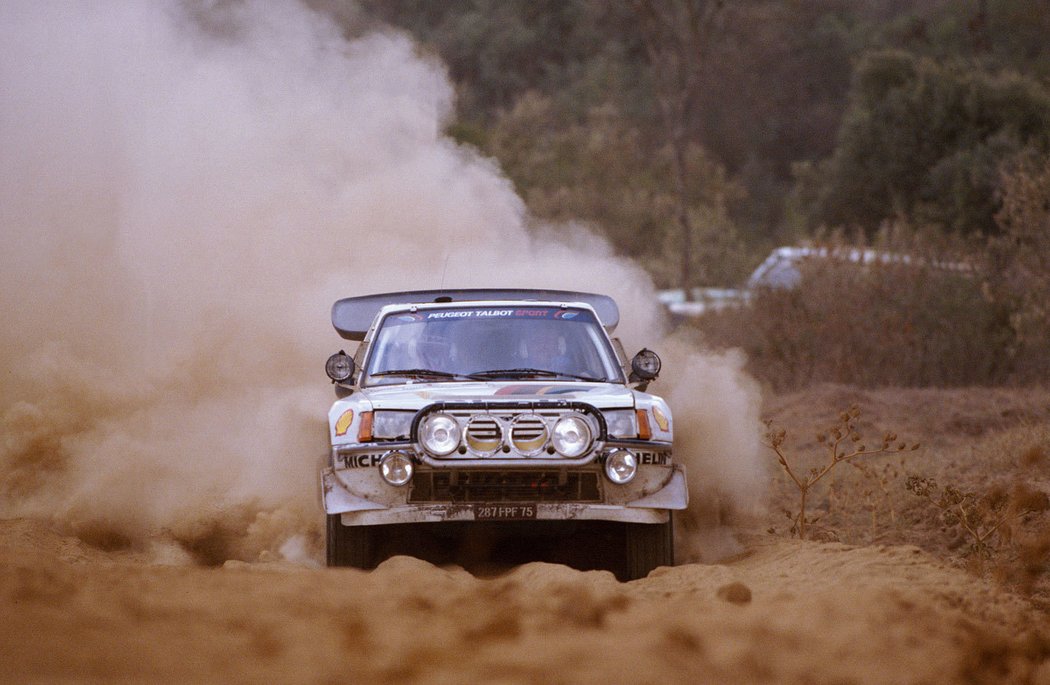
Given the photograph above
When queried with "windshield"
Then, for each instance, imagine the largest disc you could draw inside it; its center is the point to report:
(487, 343)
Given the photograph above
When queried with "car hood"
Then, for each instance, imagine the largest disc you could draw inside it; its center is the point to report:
(417, 395)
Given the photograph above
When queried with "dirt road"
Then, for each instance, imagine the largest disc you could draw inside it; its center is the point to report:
(784, 611)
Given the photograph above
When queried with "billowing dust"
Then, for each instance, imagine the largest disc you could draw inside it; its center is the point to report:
(184, 190)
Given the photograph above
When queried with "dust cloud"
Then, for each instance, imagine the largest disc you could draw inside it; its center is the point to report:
(184, 190)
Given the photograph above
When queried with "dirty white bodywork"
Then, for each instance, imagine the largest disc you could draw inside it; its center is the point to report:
(507, 484)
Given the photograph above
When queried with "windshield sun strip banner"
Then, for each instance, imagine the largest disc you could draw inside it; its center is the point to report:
(520, 313)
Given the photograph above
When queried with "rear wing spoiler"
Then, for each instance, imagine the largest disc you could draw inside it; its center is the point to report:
(353, 316)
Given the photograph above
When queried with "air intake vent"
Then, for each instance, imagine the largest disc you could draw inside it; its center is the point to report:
(528, 434)
(484, 435)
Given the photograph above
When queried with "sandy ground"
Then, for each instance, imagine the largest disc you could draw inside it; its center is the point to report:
(875, 610)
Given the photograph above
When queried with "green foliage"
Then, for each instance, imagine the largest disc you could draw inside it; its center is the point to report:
(1010, 34)
(925, 140)
(819, 112)
(604, 172)
(1018, 263)
(497, 51)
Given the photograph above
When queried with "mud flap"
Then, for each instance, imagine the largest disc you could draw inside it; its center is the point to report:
(336, 499)
(674, 495)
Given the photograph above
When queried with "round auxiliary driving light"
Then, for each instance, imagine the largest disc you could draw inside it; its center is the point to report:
(396, 468)
(439, 434)
(571, 436)
(620, 467)
(339, 367)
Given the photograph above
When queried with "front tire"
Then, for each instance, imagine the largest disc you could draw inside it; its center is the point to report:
(347, 545)
(649, 545)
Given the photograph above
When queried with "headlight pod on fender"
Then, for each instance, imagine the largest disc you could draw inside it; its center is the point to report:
(571, 436)
(439, 434)
(339, 367)
(646, 365)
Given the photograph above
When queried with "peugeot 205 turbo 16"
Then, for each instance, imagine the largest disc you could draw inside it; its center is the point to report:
(509, 413)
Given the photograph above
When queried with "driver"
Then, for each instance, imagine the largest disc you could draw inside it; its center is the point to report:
(547, 352)
(432, 349)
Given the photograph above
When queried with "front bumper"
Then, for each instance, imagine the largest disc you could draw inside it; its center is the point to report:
(545, 511)
(361, 498)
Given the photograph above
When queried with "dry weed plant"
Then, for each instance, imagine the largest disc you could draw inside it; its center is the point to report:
(872, 493)
(877, 495)
(840, 443)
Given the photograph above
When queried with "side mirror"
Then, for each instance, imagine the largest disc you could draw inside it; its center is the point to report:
(339, 367)
(645, 366)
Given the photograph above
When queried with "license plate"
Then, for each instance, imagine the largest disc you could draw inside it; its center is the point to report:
(504, 512)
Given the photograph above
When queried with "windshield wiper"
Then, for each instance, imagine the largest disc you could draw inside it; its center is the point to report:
(526, 372)
(513, 373)
(589, 379)
(416, 372)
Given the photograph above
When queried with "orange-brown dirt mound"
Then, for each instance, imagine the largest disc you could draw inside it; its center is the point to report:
(783, 612)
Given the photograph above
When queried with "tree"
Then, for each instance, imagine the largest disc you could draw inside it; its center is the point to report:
(924, 140)
(603, 171)
(677, 35)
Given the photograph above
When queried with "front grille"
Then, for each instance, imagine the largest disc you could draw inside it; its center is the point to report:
(505, 486)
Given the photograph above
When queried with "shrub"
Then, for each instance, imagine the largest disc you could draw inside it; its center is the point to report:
(1018, 265)
(898, 323)
(992, 520)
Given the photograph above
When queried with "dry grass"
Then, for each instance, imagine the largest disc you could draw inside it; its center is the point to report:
(986, 450)
(989, 519)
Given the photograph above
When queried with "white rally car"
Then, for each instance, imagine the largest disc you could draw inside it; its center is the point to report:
(511, 411)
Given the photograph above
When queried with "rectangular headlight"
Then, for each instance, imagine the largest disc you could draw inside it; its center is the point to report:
(622, 423)
(392, 425)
